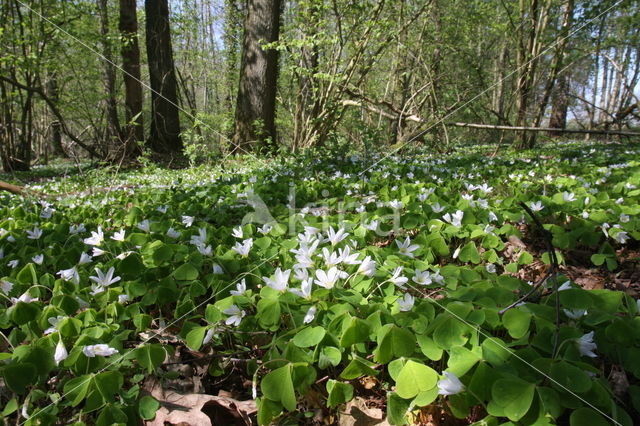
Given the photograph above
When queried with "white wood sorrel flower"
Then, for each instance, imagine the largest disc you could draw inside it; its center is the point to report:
(586, 345)
(105, 279)
(329, 278)
(450, 385)
(97, 237)
(406, 303)
(236, 315)
(310, 315)
(61, 352)
(406, 248)
(100, 349)
(280, 280)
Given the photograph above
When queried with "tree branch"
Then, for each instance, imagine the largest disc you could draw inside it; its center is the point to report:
(54, 109)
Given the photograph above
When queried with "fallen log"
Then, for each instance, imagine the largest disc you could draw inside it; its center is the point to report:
(14, 189)
(544, 129)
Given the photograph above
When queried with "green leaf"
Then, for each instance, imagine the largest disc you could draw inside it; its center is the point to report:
(10, 408)
(516, 322)
(268, 314)
(27, 275)
(70, 327)
(357, 331)
(587, 416)
(267, 410)
(309, 336)
(482, 380)
(329, 356)
(570, 377)
(396, 342)
(450, 332)
(462, 360)
(429, 348)
(513, 396)
(212, 314)
(357, 368)
(76, 389)
(278, 386)
(18, 376)
(598, 259)
(469, 253)
(415, 378)
(427, 397)
(195, 337)
(161, 253)
(142, 321)
(495, 351)
(576, 298)
(111, 415)
(108, 384)
(21, 313)
(262, 242)
(395, 367)
(397, 409)
(147, 407)
(150, 356)
(68, 304)
(339, 393)
(131, 267)
(512, 268)
(550, 401)
(185, 272)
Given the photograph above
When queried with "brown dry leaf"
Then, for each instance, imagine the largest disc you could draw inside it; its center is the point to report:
(590, 282)
(356, 413)
(198, 409)
(618, 381)
(368, 382)
(163, 335)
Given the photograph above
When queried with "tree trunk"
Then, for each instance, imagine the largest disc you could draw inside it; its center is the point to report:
(534, 21)
(165, 122)
(560, 105)
(134, 129)
(113, 132)
(556, 63)
(306, 106)
(232, 34)
(499, 76)
(56, 128)
(256, 104)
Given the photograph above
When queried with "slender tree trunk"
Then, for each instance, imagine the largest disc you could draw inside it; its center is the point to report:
(56, 130)
(113, 134)
(165, 121)
(556, 63)
(522, 63)
(560, 104)
(439, 130)
(232, 34)
(596, 80)
(306, 107)
(604, 92)
(134, 129)
(534, 21)
(498, 99)
(256, 105)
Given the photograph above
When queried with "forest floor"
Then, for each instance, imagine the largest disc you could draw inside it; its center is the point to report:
(357, 289)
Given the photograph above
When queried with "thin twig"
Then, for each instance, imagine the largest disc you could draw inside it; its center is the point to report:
(548, 240)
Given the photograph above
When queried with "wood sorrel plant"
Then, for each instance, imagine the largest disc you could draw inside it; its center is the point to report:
(397, 275)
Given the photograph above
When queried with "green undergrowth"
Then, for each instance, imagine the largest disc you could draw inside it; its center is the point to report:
(315, 272)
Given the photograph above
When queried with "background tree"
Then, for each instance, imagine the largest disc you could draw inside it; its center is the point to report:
(112, 132)
(165, 121)
(256, 102)
(133, 132)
